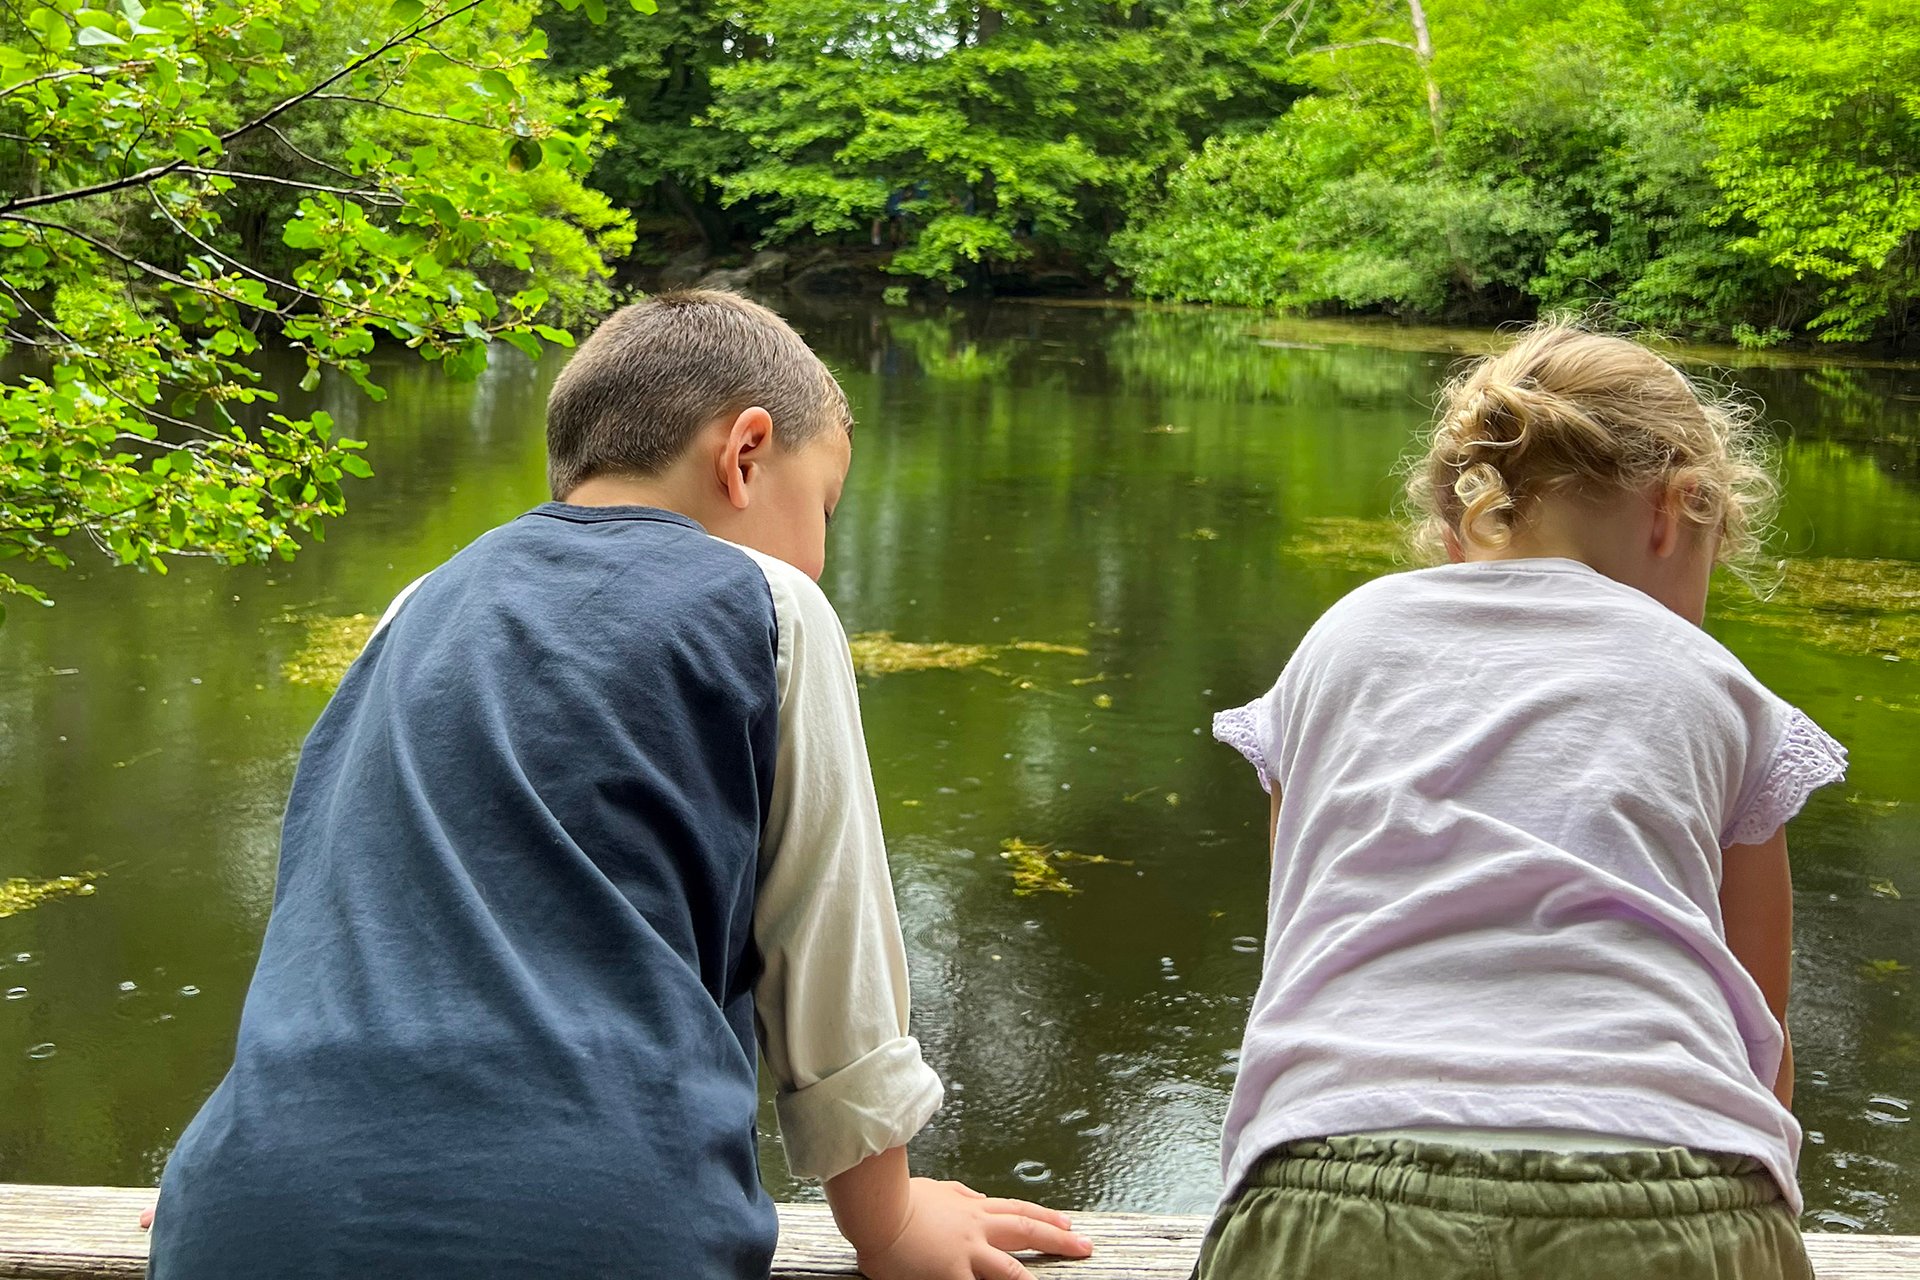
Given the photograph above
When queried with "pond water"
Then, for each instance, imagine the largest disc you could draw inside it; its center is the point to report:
(1134, 515)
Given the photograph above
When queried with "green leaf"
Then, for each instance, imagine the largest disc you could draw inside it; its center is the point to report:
(596, 11)
(52, 31)
(559, 337)
(355, 465)
(405, 13)
(194, 141)
(497, 83)
(96, 36)
(645, 6)
(264, 35)
(526, 343)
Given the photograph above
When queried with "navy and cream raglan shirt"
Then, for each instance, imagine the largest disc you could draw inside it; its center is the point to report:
(588, 822)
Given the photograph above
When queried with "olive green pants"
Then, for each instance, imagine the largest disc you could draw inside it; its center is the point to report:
(1366, 1209)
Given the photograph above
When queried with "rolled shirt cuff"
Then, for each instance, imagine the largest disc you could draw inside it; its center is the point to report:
(871, 1105)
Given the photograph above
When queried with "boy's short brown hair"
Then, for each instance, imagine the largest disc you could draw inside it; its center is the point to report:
(638, 390)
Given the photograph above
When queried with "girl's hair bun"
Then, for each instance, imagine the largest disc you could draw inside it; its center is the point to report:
(1565, 409)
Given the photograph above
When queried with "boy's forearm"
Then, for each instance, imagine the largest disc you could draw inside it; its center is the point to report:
(870, 1200)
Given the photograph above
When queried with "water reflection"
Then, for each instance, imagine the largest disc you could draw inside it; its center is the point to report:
(1179, 494)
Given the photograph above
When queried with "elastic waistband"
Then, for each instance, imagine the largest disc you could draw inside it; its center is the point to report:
(1633, 1184)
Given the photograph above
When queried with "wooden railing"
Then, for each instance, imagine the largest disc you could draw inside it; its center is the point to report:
(81, 1233)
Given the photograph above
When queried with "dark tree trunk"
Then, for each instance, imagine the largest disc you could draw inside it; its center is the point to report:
(710, 223)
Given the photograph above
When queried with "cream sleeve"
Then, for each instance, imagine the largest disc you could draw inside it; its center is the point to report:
(832, 1001)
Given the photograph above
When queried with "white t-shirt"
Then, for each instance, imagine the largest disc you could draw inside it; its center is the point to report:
(1495, 894)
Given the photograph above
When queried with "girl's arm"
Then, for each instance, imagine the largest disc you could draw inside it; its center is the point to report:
(1273, 822)
(1756, 904)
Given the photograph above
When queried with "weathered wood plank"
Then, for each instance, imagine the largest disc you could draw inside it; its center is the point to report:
(84, 1233)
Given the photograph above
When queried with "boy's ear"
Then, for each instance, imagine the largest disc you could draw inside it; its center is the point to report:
(738, 463)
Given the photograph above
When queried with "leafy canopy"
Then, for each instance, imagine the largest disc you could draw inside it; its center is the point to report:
(995, 131)
(188, 183)
(1713, 167)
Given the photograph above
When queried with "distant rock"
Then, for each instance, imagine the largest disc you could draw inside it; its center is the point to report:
(683, 268)
(830, 272)
(762, 274)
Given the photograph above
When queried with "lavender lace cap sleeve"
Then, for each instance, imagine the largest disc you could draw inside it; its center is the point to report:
(1805, 759)
(1239, 728)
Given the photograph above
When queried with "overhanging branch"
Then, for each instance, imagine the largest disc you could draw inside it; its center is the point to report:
(267, 117)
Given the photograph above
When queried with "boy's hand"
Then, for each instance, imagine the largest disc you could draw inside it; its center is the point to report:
(952, 1232)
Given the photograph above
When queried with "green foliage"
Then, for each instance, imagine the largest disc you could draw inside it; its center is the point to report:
(660, 66)
(1820, 151)
(999, 131)
(1695, 166)
(187, 184)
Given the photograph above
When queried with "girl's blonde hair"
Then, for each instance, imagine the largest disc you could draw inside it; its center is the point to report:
(1565, 410)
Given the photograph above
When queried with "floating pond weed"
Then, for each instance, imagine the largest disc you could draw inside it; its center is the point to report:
(1036, 867)
(1033, 869)
(1883, 970)
(332, 643)
(1367, 546)
(1861, 607)
(878, 653)
(17, 895)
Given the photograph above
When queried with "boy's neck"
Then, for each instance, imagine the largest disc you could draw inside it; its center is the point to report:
(630, 491)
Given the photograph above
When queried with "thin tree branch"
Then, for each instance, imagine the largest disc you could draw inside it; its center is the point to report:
(1287, 15)
(323, 301)
(35, 312)
(455, 59)
(1361, 44)
(271, 114)
(21, 19)
(127, 258)
(315, 161)
(101, 72)
(20, 339)
(158, 416)
(385, 198)
(405, 111)
(233, 262)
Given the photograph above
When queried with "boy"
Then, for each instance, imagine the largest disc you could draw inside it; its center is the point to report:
(592, 804)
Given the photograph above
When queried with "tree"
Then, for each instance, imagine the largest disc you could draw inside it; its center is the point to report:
(189, 181)
(1819, 154)
(662, 154)
(1672, 161)
(994, 130)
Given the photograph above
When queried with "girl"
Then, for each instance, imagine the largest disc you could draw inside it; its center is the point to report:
(1524, 997)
